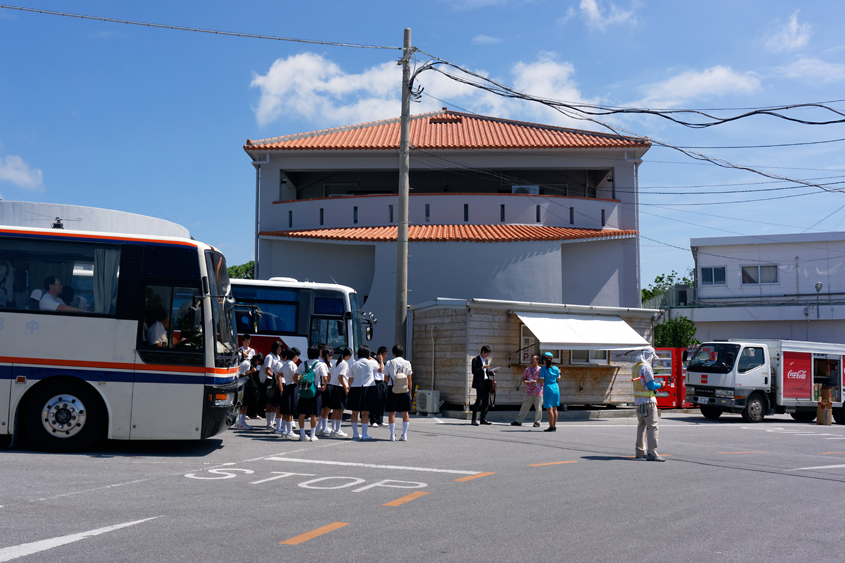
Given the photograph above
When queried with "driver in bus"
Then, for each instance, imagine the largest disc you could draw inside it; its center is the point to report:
(51, 301)
(157, 334)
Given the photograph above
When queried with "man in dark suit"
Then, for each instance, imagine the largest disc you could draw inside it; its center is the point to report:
(481, 380)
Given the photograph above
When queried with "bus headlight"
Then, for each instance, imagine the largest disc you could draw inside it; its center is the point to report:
(222, 399)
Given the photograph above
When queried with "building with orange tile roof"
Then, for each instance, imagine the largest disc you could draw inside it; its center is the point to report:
(499, 209)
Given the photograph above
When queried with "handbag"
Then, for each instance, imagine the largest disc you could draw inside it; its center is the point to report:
(400, 379)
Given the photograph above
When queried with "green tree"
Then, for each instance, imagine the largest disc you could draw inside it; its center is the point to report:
(675, 333)
(664, 282)
(243, 271)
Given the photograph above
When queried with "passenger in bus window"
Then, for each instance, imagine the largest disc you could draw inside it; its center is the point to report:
(50, 300)
(68, 295)
(157, 334)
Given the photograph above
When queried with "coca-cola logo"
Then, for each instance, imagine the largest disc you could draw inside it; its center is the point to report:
(800, 374)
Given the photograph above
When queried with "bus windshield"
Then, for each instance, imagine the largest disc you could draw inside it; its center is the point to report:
(714, 358)
(222, 309)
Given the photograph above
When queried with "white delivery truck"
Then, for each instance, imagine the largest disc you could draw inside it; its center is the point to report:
(760, 377)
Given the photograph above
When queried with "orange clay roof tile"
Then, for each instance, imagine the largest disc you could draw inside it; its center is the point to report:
(452, 233)
(448, 130)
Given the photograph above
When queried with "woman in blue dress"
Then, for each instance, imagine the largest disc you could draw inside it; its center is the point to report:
(550, 375)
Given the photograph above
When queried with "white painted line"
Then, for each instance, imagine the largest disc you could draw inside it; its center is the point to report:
(818, 467)
(24, 549)
(437, 420)
(825, 439)
(373, 466)
(281, 475)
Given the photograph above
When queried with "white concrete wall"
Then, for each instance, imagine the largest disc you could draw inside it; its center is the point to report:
(600, 273)
(42, 215)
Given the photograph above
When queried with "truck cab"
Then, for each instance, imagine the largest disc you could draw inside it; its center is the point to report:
(731, 377)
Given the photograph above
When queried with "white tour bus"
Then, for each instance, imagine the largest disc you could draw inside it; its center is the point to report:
(299, 314)
(143, 349)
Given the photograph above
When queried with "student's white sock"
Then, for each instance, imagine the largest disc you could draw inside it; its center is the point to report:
(405, 427)
(313, 430)
(354, 429)
(324, 422)
(279, 423)
(392, 426)
(335, 425)
(301, 433)
(271, 418)
(242, 419)
(364, 426)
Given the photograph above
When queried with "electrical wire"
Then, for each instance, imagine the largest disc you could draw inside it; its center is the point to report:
(199, 30)
(771, 146)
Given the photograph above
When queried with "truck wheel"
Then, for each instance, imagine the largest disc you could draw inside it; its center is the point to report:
(64, 416)
(839, 415)
(803, 416)
(711, 413)
(754, 410)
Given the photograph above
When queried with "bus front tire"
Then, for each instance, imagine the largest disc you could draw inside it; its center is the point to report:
(711, 413)
(64, 416)
(754, 409)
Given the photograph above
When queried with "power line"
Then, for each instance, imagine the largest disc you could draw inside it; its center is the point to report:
(199, 30)
(771, 146)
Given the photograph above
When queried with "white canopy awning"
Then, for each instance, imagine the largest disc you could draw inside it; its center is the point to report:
(582, 332)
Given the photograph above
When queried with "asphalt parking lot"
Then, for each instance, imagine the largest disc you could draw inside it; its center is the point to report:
(729, 491)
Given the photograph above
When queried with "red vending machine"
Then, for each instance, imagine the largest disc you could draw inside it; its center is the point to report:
(669, 363)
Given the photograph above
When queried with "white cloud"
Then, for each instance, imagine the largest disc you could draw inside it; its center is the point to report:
(790, 37)
(486, 40)
(694, 85)
(570, 13)
(598, 16)
(14, 170)
(812, 69)
(317, 90)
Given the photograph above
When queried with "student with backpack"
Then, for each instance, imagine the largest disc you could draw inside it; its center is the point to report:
(361, 394)
(398, 373)
(272, 363)
(339, 384)
(309, 378)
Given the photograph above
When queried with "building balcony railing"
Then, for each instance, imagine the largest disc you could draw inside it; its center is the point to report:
(445, 209)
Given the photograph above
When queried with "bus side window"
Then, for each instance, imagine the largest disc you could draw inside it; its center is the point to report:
(172, 319)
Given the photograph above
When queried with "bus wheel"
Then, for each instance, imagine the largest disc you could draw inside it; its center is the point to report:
(711, 413)
(64, 416)
(754, 409)
(803, 416)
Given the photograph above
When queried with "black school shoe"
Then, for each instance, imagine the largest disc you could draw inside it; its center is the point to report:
(474, 423)
(515, 423)
(486, 422)
(551, 429)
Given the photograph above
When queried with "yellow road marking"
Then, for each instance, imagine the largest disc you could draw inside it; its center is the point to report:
(731, 453)
(828, 453)
(406, 498)
(314, 533)
(471, 477)
(550, 463)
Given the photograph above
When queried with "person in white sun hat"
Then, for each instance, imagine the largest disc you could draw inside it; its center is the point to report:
(642, 377)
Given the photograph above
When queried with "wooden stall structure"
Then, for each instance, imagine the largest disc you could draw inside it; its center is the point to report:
(594, 347)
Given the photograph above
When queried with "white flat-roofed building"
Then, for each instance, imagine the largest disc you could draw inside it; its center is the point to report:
(765, 286)
(499, 209)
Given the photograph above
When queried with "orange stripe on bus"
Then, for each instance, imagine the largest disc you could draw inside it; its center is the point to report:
(114, 365)
(66, 234)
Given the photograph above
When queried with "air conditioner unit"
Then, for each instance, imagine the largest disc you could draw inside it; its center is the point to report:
(428, 401)
(530, 190)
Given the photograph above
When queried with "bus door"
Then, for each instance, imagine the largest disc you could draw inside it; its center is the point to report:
(5, 394)
(328, 324)
(168, 388)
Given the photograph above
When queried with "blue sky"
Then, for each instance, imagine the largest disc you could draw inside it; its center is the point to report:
(152, 121)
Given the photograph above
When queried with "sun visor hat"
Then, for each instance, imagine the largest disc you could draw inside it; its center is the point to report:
(548, 355)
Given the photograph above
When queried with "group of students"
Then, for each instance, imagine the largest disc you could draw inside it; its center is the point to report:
(321, 387)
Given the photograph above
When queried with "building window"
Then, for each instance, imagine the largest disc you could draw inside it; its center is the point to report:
(355, 214)
(571, 215)
(389, 213)
(290, 219)
(502, 213)
(588, 357)
(466, 212)
(759, 274)
(603, 220)
(321, 216)
(713, 276)
(428, 213)
(538, 214)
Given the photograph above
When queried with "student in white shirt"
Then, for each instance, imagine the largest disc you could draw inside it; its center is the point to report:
(287, 404)
(249, 369)
(380, 400)
(307, 406)
(245, 352)
(398, 402)
(361, 382)
(323, 396)
(272, 363)
(339, 390)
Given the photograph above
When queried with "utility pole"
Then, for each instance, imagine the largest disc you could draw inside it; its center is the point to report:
(404, 186)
